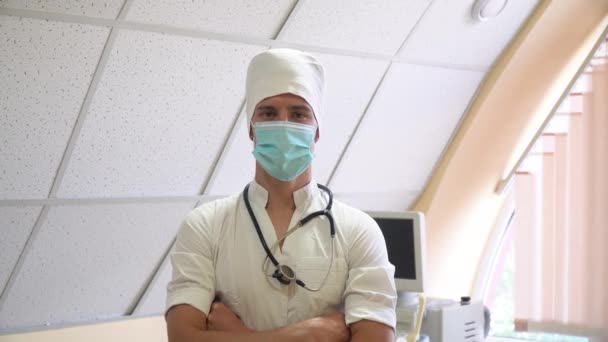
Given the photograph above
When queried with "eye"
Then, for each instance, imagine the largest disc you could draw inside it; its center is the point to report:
(265, 114)
(304, 117)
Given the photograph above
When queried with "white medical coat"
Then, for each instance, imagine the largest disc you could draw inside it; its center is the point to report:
(218, 253)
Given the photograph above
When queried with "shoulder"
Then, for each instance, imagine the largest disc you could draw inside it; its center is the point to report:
(352, 219)
(205, 217)
(213, 208)
(359, 230)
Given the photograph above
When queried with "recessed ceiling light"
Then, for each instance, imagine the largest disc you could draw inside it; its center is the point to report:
(487, 9)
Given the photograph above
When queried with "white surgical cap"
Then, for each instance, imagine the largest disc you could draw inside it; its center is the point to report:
(279, 71)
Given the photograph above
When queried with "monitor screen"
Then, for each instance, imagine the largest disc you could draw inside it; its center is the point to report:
(399, 238)
(404, 237)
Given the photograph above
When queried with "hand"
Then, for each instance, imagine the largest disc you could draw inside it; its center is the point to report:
(333, 328)
(221, 318)
(328, 328)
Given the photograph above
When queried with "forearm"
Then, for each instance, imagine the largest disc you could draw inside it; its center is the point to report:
(229, 336)
(308, 330)
(187, 324)
(369, 336)
(365, 330)
(326, 328)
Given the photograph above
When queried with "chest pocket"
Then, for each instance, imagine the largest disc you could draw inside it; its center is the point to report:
(312, 270)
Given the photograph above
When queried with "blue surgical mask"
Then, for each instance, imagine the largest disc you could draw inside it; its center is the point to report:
(283, 148)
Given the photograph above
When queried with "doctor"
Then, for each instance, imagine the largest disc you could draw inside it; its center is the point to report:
(283, 260)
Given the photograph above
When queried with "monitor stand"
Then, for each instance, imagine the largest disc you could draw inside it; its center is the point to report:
(407, 299)
(407, 307)
(407, 311)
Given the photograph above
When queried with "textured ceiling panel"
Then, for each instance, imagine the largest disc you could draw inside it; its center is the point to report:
(160, 115)
(346, 97)
(45, 68)
(237, 166)
(153, 303)
(90, 262)
(260, 18)
(16, 223)
(447, 34)
(405, 130)
(369, 25)
(348, 93)
(386, 201)
(98, 8)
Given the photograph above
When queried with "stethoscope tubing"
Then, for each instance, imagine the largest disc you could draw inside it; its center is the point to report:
(269, 255)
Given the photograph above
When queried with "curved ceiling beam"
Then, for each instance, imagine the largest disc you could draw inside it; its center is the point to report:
(519, 93)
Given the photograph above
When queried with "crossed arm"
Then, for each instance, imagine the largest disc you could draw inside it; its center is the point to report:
(187, 324)
(369, 280)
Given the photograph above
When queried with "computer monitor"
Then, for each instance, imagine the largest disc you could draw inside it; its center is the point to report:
(405, 242)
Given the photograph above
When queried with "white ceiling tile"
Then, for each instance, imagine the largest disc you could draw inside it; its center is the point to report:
(159, 117)
(447, 34)
(236, 168)
(408, 124)
(45, 68)
(260, 18)
(16, 223)
(387, 201)
(154, 301)
(346, 97)
(98, 8)
(90, 262)
(369, 25)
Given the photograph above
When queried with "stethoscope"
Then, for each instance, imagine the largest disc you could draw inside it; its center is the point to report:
(283, 273)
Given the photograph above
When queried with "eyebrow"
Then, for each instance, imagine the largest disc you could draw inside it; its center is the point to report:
(264, 108)
(295, 107)
(300, 107)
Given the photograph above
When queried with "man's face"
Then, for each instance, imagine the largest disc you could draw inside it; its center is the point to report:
(284, 107)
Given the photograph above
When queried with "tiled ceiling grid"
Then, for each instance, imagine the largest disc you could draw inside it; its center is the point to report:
(138, 16)
(72, 144)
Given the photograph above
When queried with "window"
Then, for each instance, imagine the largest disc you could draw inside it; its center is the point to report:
(550, 275)
(500, 301)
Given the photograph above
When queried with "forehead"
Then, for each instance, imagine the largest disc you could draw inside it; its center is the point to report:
(286, 99)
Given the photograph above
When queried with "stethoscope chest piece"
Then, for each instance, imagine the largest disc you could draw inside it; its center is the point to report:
(284, 274)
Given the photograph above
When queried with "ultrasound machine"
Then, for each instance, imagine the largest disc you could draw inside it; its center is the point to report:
(418, 318)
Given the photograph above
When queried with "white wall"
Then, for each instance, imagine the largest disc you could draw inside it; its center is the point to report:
(148, 329)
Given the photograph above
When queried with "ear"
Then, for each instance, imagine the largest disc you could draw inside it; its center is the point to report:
(250, 131)
(317, 135)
